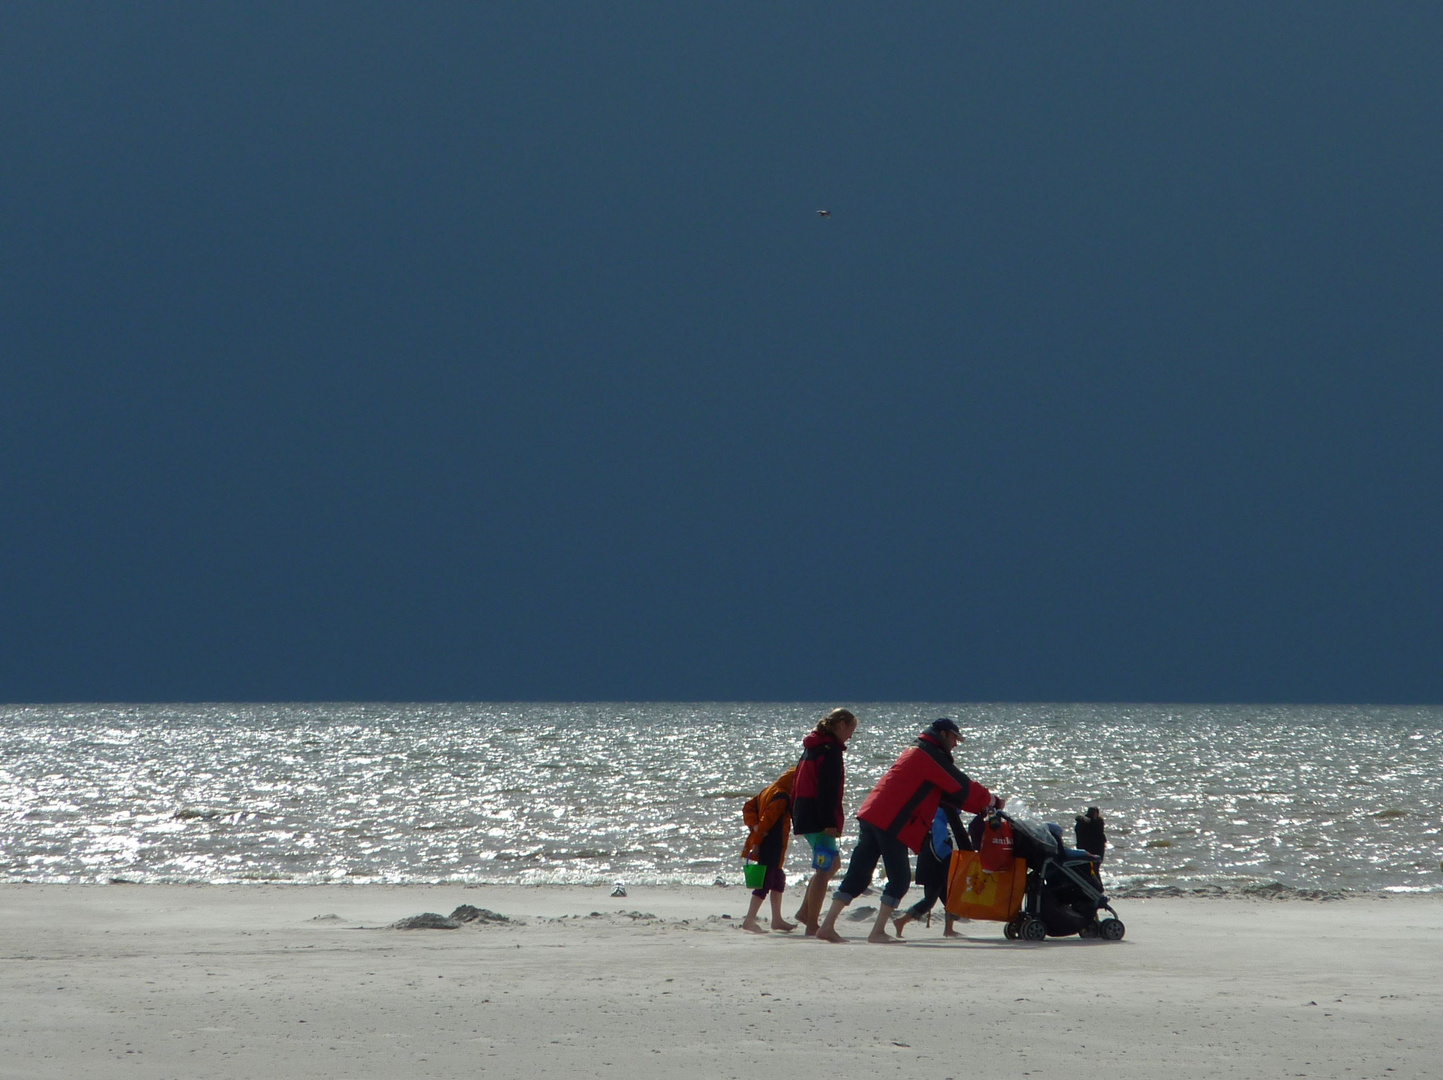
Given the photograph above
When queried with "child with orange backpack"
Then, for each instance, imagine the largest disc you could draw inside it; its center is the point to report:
(769, 817)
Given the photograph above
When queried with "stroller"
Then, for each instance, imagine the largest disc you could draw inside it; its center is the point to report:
(1064, 888)
(1049, 890)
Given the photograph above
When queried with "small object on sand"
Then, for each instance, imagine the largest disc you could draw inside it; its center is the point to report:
(721, 883)
(619, 890)
(427, 920)
(466, 913)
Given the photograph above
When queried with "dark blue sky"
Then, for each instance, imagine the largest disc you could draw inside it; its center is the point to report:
(496, 351)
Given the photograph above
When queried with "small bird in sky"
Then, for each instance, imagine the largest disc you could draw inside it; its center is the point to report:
(824, 213)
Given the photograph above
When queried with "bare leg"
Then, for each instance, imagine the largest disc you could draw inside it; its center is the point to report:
(812, 906)
(801, 915)
(750, 922)
(879, 935)
(901, 921)
(779, 923)
(828, 930)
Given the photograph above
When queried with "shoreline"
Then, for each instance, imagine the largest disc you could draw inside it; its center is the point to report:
(232, 981)
(1261, 890)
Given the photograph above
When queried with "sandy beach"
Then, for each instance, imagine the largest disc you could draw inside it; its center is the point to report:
(307, 981)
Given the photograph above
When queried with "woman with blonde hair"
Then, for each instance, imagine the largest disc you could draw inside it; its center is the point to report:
(817, 813)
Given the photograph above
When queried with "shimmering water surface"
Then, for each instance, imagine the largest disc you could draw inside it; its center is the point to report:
(1313, 798)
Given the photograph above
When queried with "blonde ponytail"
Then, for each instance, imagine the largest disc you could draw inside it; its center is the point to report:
(828, 724)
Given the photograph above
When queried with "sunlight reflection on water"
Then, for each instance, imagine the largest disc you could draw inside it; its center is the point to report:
(1326, 798)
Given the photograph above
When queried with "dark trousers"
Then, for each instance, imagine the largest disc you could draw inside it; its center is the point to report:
(769, 854)
(775, 881)
(874, 844)
(932, 876)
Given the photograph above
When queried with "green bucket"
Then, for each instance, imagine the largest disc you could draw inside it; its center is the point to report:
(755, 873)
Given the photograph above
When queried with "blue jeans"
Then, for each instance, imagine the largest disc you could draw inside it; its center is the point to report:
(874, 844)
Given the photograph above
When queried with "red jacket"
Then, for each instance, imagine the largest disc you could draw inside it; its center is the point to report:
(905, 800)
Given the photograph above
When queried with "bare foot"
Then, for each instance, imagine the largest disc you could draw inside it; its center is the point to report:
(952, 933)
(753, 926)
(881, 937)
(899, 922)
(832, 936)
(784, 926)
(811, 930)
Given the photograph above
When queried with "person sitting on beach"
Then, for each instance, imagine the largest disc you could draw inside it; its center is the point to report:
(770, 817)
(817, 813)
(934, 862)
(897, 815)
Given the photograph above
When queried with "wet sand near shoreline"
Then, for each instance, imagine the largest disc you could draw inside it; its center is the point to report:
(307, 981)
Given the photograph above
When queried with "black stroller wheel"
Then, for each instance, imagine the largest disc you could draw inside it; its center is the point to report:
(1010, 930)
(1112, 930)
(1033, 930)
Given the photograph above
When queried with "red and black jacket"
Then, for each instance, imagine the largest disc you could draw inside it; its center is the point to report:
(817, 790)
(905, 800)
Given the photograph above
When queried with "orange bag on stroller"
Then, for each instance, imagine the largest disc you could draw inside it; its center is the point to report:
(975, 893)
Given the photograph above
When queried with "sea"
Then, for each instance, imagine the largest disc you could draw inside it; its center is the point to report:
(1236, 800)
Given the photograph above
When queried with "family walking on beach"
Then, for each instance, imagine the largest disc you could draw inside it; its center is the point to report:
(912, 809)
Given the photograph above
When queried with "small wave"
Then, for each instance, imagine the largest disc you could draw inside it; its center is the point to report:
(518, 856)
(1276, 890)
(1412, 890)
(1272, 890)
(189, 813)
